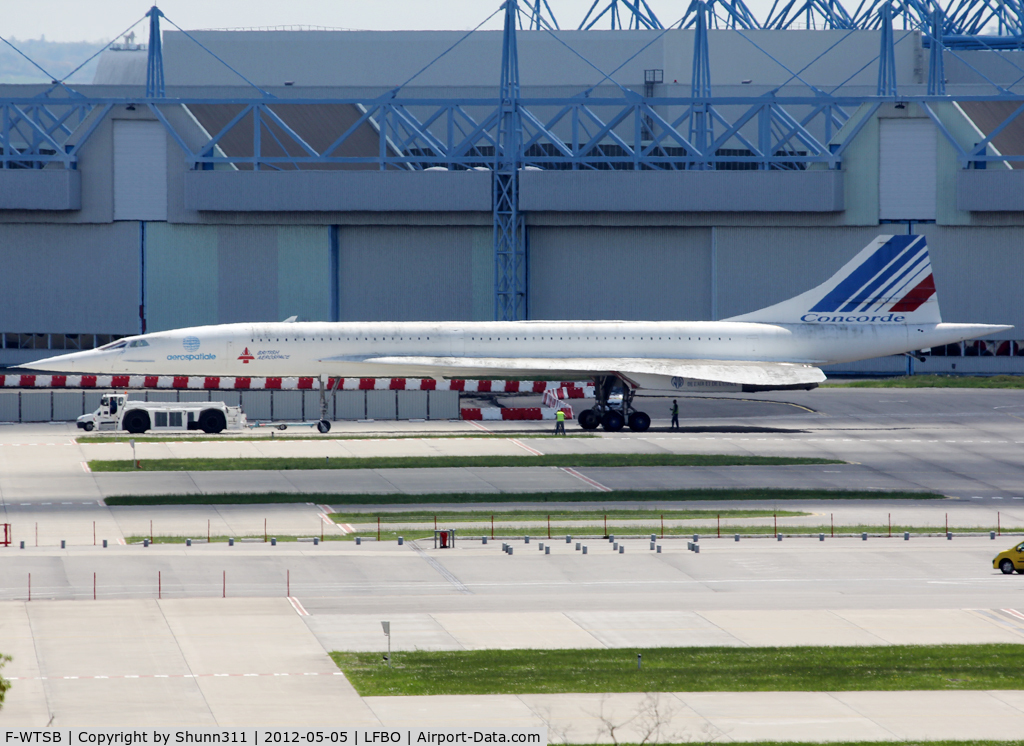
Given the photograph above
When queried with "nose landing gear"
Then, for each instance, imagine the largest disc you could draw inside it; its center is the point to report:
(613, 409)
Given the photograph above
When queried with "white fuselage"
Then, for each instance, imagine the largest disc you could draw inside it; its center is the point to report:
(341, 349)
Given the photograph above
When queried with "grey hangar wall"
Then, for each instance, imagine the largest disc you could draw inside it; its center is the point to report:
(263, 246)
(89, 278)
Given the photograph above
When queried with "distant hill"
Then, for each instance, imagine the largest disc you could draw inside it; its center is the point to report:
(56, 57)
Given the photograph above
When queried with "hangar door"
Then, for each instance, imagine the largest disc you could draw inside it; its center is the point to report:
(140, 170)
(907, 151)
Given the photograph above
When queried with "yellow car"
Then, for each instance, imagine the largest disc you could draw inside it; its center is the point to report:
(1010, 560)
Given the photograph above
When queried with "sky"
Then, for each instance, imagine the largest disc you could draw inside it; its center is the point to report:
(103, 20)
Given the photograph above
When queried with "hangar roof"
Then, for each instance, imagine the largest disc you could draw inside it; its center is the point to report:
(385, 59)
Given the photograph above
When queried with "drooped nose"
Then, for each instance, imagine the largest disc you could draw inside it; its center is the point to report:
(89, 361)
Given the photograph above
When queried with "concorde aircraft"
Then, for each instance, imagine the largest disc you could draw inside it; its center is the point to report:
(882, 302)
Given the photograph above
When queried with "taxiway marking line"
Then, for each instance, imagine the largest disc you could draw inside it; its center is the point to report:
(297, 605)
(528, 449)
(478, 426)
(344, 528)
(588, 480)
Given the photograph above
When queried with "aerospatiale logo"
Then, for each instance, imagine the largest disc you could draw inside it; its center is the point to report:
(245, 357)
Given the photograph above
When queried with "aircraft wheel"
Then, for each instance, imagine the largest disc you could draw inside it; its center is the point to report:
(639, 422)
(87, 427)
(1006, 566)
(136, 422)
(323, 426)
(588, 419)
(613, 421)
(282, 427)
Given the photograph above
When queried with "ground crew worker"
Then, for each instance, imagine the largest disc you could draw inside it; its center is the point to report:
(559, 422)
(675, 414)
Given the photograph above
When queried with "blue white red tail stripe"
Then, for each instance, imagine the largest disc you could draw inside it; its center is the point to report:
(909, 277)
(889, 281)
(897, 276)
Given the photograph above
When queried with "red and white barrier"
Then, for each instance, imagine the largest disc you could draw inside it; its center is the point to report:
(564, 389)
(513, 413)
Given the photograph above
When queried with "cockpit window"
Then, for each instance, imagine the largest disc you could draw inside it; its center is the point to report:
(114, 345)
(138, 343)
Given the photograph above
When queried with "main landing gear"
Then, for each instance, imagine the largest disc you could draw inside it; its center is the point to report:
(324, 425)
(614, 408)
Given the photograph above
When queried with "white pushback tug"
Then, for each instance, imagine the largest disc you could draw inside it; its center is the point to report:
(118, 412)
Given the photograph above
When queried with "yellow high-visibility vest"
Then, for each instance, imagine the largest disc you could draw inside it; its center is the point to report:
(560, 415)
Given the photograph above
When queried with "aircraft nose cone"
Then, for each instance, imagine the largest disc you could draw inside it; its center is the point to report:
(76, 362)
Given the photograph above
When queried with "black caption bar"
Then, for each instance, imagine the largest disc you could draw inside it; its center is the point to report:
(270, 736)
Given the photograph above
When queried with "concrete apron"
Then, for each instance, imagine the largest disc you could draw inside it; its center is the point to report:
(248, 662)
(682, 717)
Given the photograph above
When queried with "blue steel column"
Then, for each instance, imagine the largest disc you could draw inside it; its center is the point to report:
(701, 134)
(936, 67)
(886, 55)
(155, 61)
(154, 89)
(510, 268)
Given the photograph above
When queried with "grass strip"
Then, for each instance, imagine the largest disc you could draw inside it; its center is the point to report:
(693, 669)
(247, 538)
(539, 531)
(469, 498)
(934, 382)
(480, 516)
(441, 462)
(182, 438)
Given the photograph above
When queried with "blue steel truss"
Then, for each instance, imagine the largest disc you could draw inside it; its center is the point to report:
(509, 133)
(967, 24)
(1002, 20)
(537, 14)
(621, 14)
(575, 133)
(808, 14)
(724, 14)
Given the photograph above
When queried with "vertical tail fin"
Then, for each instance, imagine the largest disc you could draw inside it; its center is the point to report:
(889, 281)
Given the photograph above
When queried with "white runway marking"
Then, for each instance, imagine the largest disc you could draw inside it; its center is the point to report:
(297, 605)
(588, 480)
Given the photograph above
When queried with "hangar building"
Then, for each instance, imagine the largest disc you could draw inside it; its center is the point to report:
(352, 175)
